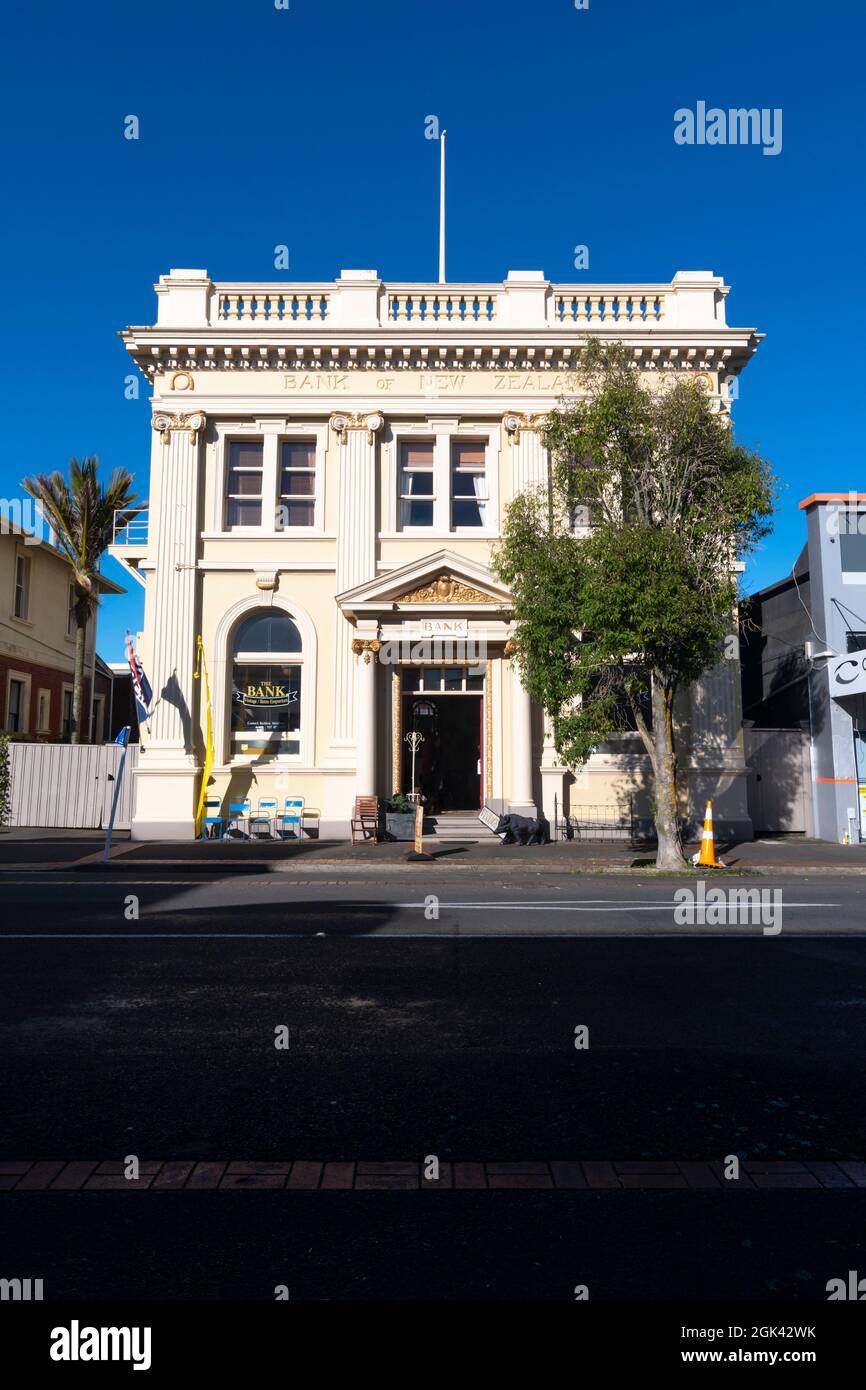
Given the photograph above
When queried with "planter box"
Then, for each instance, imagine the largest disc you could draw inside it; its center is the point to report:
(400, 824)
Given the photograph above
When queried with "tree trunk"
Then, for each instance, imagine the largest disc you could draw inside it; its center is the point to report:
(670, 851)
(78, 681)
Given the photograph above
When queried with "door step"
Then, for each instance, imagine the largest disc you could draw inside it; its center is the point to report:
(457, 826)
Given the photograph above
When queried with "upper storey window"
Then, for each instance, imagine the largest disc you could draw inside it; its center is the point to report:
(468, 484)
(417, 490)
(297, 505)
(244, 484)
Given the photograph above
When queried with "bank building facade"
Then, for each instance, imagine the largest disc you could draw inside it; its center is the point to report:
(330, 465)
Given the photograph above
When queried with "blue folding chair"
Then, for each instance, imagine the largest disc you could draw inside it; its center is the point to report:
(212, 825)
(239, 811)
(293, 816)
(265, 815)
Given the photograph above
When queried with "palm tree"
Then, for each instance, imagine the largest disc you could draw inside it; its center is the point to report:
(81, 513)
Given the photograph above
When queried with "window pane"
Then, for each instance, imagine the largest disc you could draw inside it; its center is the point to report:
(454, 678)
(468, 485)
(468, 455)
(244, 513)
(474, 682)
(417, 483)
(465, 513)
(416, 513)
(266, 707)
(244, 484)
(267, 632)
(431, 678)
(297, 454)
(419, 454)
(297, 514)
(298, 484)
(246, 454)
(411, 678)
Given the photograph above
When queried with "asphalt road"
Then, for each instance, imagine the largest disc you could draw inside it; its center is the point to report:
(409, 1035)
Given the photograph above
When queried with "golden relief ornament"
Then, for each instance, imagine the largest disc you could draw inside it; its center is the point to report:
(515, 423)
(372, 422)
(363, 646)
(445, 589)
(164, 424)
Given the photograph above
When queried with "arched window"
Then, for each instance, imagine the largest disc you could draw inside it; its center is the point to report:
(267, 659)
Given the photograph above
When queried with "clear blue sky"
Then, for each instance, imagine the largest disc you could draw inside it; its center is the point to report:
(305, 127)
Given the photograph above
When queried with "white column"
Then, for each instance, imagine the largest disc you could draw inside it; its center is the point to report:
(356, 563)
(365, 784)
(521, 744)
(528, 462)
(165, 781)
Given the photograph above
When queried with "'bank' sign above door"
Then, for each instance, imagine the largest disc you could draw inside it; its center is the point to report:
(848, 676)
(440, 627)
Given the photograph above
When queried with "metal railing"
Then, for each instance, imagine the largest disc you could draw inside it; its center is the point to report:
(130, 526)
(594, 823)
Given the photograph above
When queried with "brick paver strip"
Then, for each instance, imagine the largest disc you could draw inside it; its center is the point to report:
(407, 1175)
(387, 1182)
(786, 1180)
(253, 1180)
(830, 1175)
(520, 1180)
(267, 1168)
(699, 1175)
(173, 1176)
(501, 1169)
(652, 1165)
(305, 1176)
(653, 1180)
(206, 1175)
(117, 1183)
(444, 1182)
(40, 1177)
(146, 1167)
(567, 1173)
(338, 1177)
(469, 1175)
(73, 1177)
(399, 1170)
(600, 1174)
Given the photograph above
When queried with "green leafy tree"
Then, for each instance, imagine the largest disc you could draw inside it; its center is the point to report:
(616, 615)
(81, 513)
(5, 781)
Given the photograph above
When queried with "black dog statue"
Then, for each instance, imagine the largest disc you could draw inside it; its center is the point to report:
(523, 830)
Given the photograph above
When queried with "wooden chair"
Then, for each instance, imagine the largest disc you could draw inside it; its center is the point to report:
(365, 819)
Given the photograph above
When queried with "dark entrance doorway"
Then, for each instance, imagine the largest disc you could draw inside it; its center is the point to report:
(438, 704)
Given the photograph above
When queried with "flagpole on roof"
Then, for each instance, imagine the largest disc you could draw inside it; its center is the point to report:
(442, 208)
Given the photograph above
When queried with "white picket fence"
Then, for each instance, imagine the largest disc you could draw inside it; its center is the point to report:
(66, 786)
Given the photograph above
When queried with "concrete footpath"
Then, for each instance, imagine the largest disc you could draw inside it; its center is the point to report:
(40, 851)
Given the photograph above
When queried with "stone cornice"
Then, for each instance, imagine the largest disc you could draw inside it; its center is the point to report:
(523, 322)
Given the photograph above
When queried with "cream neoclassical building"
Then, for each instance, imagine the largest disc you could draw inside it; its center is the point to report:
(330, 465)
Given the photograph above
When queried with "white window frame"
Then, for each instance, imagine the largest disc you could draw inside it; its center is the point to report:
(43, 726)
(221, 677)
(224, 498)
(455, 440)
(21, 678)
(271, 434)
(443, 434)
(24, 560)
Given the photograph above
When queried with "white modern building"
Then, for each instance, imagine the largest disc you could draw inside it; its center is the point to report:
(330, 466)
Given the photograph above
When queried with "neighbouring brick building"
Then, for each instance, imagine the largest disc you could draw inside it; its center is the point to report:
(37, 644)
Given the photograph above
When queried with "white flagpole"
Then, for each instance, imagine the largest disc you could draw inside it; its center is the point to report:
(442, 208)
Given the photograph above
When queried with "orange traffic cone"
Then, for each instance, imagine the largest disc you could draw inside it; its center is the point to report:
(706, 855)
